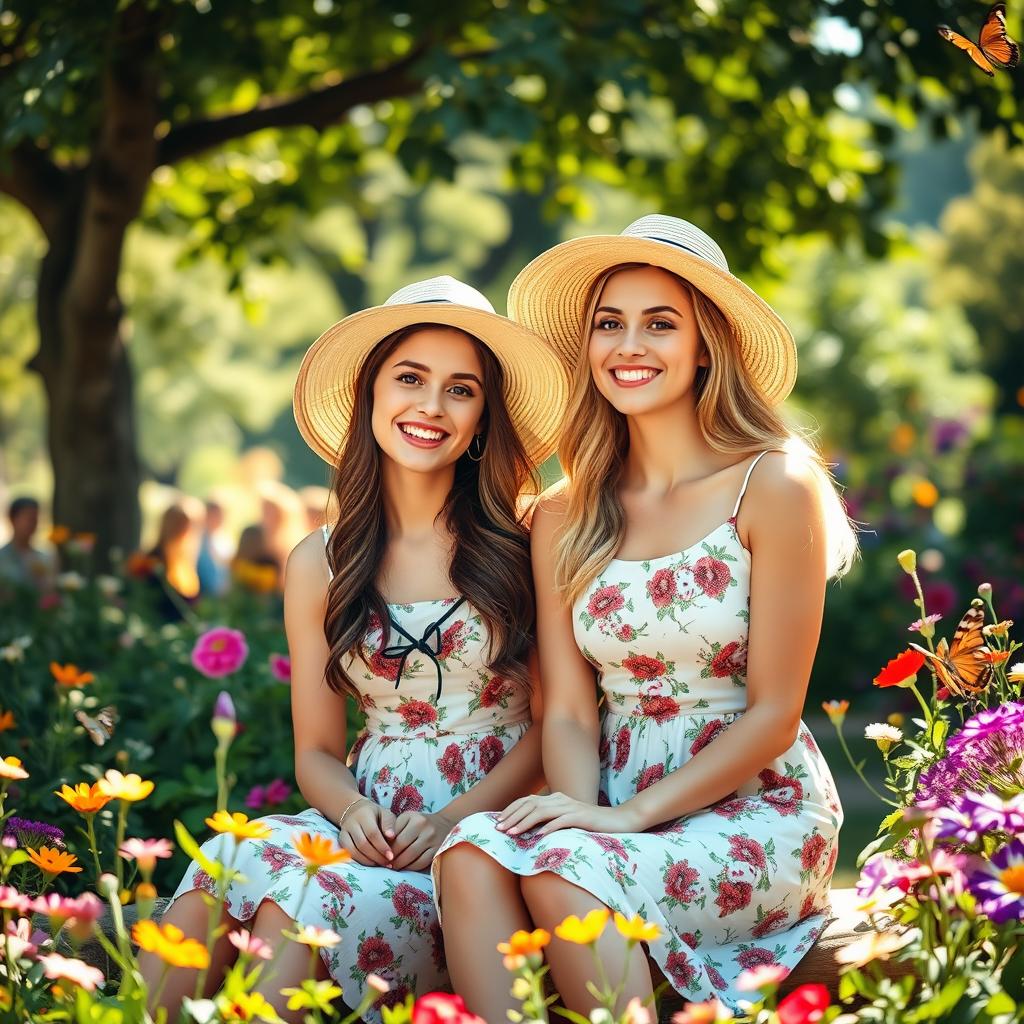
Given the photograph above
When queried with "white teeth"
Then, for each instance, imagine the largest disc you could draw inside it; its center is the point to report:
(420, 432)
(631, 375)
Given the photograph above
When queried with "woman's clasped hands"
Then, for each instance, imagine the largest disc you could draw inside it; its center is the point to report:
(552, 811)
(404, 842)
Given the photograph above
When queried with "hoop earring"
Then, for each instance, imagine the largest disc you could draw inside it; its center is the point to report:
(478, 440)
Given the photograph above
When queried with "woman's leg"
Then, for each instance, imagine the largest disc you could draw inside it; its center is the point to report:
(481, 905)
(291, 964)
(189, 913)
(550, 899)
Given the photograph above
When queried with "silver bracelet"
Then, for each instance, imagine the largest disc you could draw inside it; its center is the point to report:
(359, 799)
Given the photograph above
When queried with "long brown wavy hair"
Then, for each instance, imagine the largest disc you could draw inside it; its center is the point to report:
(490, 564)
(733, 416)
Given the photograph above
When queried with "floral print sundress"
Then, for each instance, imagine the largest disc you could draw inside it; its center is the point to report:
(741, 883)
(434, 735)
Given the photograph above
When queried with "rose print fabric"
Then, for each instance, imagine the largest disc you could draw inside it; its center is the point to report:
(741, 883)
(415, 753)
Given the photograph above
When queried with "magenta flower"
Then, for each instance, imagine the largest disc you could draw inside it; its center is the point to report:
(256, 798)
(281, 668)
(998, 884)
(145, 851)
(278, 791)
(11, 899)
(219, 652)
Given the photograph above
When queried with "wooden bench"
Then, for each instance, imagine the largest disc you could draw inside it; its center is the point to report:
(846, 925)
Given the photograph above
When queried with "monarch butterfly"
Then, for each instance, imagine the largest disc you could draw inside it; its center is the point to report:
(964, 666)
(994, 47)
(100, 728)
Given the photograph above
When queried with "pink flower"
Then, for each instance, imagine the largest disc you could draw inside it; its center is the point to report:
(756, 956)
(256, 798)
(748, 850)
(219, 652)
(760, 977)
(56, 907)
(62, 968)
(551, 859)
(11, 899)
(711, 575)
(661, 588)
(145, 851)
(250, 945)
(281, 667)
(48, 601)
(407, 900)
(277, 791)
(21, 940)
(604, 602)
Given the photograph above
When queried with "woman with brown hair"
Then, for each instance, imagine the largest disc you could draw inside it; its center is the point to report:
(176, 553)
(418, 606)
(681, 568)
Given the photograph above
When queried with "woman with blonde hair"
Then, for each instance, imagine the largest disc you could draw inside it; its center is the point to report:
(681, 567)
(418, 607)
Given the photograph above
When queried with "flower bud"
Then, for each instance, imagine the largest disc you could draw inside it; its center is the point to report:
(107, 884)
(145, 899)
(224, 724)
(908, 560)
(984, 591)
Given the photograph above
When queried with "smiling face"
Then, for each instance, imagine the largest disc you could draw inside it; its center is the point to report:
(644, 348)
(428, 399)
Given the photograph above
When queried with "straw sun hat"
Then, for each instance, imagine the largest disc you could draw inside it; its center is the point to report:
(550, 294)
(536, 388)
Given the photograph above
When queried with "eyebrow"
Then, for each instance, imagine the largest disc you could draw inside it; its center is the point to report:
(646, 312)
(426, 369)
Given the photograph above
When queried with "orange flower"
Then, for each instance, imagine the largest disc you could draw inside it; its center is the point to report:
(68, 675)
(52, 861)
(901, 670)
(836, 710)
(170, 944)
(84, 798)
(319, 851)
(59, 534)
(998, 657)
(524, 943)
(7, 721)
(10, 768)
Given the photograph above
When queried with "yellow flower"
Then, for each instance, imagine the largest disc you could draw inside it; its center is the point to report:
(637, 929)
(7, 721)
(69, 675)
(170, 944)
(523, 943)
(319, 851)
(584, 932)
(84, 798)
(124, 787)
(1000, 629)
(1016, 673)
(873, 946)
(316, 938)
(908, 561)
(52, 861)
(238, 825)
(896, 719)
(246, 1006)
(314, 995)
(924, 493)
(10, 768)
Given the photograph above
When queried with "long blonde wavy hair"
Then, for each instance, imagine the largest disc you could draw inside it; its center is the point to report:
(734, 419)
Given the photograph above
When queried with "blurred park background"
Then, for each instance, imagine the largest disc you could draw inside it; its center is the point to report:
(192, 190)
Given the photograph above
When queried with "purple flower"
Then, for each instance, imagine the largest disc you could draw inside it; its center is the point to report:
(991, 813)
(33, 833)
(877, 873)
(957, 823)
(1006, 720)
(224, 707)
(256, 798)
(277, 791)
(999, 884)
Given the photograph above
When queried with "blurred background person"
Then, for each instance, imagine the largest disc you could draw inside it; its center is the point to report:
(318, 503)
(177, 552)
(254, 567)
(20, 561)
(215, 551)
(284, 520)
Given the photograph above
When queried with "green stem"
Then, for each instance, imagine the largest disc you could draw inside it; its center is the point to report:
(924, 707)
(122, 824)
(90, 829)
(213, 918)
(860, 774)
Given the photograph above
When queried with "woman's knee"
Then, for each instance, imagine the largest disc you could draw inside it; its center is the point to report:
(466, 872)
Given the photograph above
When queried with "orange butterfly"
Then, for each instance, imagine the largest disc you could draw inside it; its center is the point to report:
(994, 48)
(964, 666)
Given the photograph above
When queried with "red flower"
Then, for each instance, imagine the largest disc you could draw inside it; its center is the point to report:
(716, 977)
(496, 690)
(649, 776)
(755, 957)
(711, 575)
(551, 859)
(417, 713)
(384, 774)
(406, 900)
(733, 896)
(661, 709)
(492, 750)
(804, 1005)
(748, 850)
(202, 880)
(783, 792)
(769, 923)
(731, 660)
(441, 1008)
(679, 880)
(610, 844)
(812, 850)
(640, 667)
(679, 968)
(374, 954)
(622, 741)
(707, 734)
(625, 633)
(406, 798)
(604, 602)
(731, 808)
(452, 764)
(661, 588)
(450, 639)
(807, 908)
(689, 938)
(386, 668)
(902, 669)
(333, 883)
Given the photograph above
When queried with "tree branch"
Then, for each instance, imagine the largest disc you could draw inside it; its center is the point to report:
(316, 108)
(28, 175)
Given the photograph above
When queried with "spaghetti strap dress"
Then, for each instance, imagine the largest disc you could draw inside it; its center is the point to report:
(437, 721)
(740, 883)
